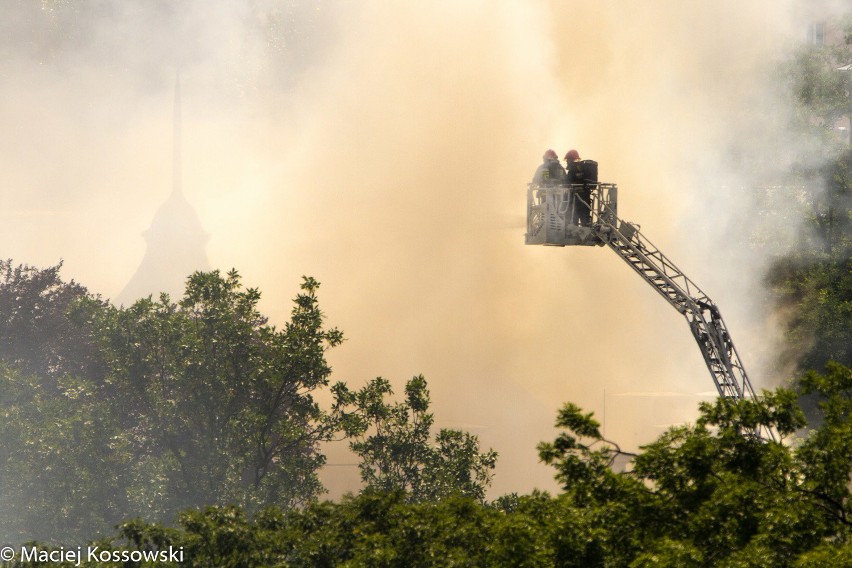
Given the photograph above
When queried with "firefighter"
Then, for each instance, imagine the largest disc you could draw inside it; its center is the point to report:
(550, 173)
(572, 166)
(583, 194)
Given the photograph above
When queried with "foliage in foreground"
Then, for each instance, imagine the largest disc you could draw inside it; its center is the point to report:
(394, 442)
(110, 413)
(710, 494)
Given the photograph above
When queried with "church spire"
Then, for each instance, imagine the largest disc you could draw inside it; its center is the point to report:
(175, 240)
(177, 182)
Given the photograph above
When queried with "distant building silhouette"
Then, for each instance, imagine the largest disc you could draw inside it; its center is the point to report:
(175, 240)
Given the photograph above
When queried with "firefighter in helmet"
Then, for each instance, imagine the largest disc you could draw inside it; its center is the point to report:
(582, 192)
(572, 163)
(550, 173)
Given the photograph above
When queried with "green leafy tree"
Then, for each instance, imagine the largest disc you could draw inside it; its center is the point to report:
(217, 404)
(818, 89)
(36, 335)
(376, 529)
(583, 458)
(818, 298)
(394, 442)
(614, 505)
(109, 413)
(63, 463)
(725, 495)
(62, 468)
(702, 495)
(812, 285)
(715, 493)
(825, 457)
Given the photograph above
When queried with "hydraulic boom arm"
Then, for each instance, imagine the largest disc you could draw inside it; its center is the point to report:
(686, 297)
(552, 220)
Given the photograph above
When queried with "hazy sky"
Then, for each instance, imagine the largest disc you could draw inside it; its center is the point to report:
(384, 148)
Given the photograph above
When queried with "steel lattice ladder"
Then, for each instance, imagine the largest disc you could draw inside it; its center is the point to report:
(551, 220)
(704, 318)
(703, 315)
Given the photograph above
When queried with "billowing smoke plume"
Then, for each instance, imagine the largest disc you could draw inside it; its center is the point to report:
(384, 148)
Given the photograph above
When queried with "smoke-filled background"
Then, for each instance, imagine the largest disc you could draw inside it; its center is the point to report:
(384, 148)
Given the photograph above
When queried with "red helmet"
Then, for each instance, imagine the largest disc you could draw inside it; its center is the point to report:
(550, 155)
(572, 156)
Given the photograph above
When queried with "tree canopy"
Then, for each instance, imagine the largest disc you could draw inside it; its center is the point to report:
(812, 283)
(113, 412)
(394, 442)
(706, 494)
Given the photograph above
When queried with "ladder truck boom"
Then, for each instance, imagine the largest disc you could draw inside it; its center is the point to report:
(705, 320)
(585, 215)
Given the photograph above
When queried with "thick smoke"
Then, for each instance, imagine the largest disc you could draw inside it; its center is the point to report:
(384, 148)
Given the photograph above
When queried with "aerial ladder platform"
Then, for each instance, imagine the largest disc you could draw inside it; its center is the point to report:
(586, 215)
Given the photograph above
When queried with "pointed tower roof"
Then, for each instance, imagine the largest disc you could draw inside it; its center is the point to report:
(175, 240)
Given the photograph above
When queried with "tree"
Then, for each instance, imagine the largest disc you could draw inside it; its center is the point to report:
(825, 455)
(63, 463)
(582, 468)
(397, 453)
(702, 495)
(812, 284)
(109, 413)
(216, 402)
(36, 335)
(818, 89)
(818, 298)
(61, 468)
(615, 506)
(724, 495)
(714, 493)
(375, 529)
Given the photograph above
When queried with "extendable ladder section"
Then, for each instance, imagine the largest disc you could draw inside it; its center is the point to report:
(550, 223)
(686, 297)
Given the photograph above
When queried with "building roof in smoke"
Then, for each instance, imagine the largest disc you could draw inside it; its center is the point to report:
(176, 218)
(175, 240)
(176, 248)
